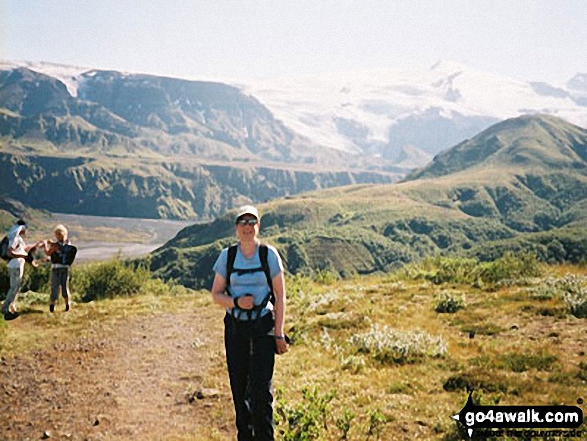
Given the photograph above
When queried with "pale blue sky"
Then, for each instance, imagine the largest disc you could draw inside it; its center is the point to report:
(541, 40)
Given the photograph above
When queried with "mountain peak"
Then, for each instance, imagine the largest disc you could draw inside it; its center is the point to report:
(528, 141)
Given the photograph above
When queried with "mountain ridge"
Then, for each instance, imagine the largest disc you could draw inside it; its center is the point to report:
(540, 141)
(379, 112)
(482, 211)
(123, 108)
(135, 145)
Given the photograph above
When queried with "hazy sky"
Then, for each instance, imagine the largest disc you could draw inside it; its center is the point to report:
(543, 40)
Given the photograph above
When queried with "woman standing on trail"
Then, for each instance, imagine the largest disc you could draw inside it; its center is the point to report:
(249, 283)
(18, 253)
(60, 272)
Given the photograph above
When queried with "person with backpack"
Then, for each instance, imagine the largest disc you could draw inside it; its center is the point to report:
(17, 254)
(249, 284)
(60, 254)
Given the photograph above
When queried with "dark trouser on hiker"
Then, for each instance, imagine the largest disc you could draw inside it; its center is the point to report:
(250, 356)
(59, 279)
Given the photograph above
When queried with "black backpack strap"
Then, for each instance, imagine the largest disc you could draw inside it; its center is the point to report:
(230, 263)
(263, 256)
(230, 258)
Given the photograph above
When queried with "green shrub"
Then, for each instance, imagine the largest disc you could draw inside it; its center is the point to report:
(440, 270)
(449, 302)
(547, 290)
(109, 279)
(306, 421)
(376, 422)
(577, 303)
(386, 344)
(472, 272)
(455, 270)
(571, 283)
(33, 279)
(93, 281)
(28, 298)
(571, 289)
(313, 418)
(36, 279)
(510, 266)
(522, 362)
(326, 277)
(343, 423)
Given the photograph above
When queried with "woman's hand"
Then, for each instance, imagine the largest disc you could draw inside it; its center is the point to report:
(281, 345)
(246, 302)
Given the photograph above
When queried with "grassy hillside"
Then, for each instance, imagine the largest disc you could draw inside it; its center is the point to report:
(158, 187)
(530, 141)
(480, 208)
(11, 210)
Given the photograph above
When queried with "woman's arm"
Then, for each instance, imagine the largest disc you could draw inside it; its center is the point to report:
(14, 253)
(51, 247)
(279, 310)
(218, 295)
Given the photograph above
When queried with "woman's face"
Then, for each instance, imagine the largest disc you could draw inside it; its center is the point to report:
(247, 228)
(59, 236)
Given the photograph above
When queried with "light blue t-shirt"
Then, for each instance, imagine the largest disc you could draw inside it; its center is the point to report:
(249, 283)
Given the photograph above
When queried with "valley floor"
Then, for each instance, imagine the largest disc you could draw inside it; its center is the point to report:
(101, 237)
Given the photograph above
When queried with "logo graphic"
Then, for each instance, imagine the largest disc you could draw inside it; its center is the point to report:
(474, 416)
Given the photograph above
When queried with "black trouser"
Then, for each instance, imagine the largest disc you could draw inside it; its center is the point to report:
(250, 356)
(59, 278)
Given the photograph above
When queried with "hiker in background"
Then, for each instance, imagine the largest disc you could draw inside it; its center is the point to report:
(18, 253)
(247, 276)
(61, 266)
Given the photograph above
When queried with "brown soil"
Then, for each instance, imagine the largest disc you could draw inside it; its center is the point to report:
(135, 378)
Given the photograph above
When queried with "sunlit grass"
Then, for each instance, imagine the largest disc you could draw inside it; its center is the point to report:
(500, 344)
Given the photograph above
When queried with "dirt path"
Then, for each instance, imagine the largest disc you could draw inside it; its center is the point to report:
(133, 379)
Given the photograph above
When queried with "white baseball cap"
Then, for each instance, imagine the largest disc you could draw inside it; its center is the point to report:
(247, 209)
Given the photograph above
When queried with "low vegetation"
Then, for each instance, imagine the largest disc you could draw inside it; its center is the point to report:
(449, 302)
(92, 281)
(389, 345)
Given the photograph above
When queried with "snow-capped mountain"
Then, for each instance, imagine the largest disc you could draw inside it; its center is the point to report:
(405, 117)
(71, 76)
(431, 109)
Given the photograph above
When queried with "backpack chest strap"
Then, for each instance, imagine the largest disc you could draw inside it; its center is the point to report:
(240, 272)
